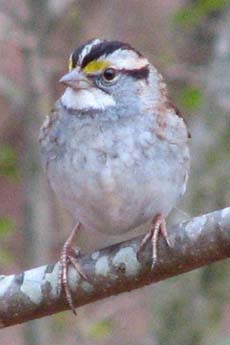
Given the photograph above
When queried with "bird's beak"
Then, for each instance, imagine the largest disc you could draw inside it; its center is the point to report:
(75, 79)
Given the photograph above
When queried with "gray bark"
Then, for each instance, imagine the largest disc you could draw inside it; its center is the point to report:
(115, 269)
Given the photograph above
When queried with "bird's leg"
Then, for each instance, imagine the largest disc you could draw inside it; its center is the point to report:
(158, 226)
(69, 256)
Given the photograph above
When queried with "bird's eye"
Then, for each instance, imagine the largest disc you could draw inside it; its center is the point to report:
(109, 75)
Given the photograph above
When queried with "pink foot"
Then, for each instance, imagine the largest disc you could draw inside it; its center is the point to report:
(69, 256)
(158, 226)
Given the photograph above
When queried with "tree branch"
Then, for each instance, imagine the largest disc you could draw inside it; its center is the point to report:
(197, 242)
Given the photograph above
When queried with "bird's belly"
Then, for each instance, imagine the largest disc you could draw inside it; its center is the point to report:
(114, 196)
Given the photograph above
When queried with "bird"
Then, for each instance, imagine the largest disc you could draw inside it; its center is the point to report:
(115, 148)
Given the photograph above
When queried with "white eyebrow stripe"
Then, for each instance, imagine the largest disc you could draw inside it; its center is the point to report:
(125, 59)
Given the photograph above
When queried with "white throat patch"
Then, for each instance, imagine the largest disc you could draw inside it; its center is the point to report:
(86, 99)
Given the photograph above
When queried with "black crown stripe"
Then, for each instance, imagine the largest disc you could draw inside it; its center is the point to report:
(100, 49)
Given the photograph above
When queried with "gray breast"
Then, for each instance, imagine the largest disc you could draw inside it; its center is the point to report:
(113, 173)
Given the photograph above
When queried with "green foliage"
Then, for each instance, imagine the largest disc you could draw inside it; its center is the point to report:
(192, 14)
(59, 322)
(7, 225)
(188, 308)
(191, 98)
(6, 257)
(100, 329)
(222, 341)
(174, 307)
(8, 162)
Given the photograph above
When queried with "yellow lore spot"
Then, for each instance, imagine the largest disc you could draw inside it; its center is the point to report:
(95, 66)
(70, 65)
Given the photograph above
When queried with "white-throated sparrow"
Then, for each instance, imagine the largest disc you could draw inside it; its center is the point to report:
(115, 148)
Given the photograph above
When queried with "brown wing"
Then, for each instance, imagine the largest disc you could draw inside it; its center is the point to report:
(166, 104)
(170, 105)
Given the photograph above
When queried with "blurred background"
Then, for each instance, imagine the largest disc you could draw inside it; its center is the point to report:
(189, 41)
